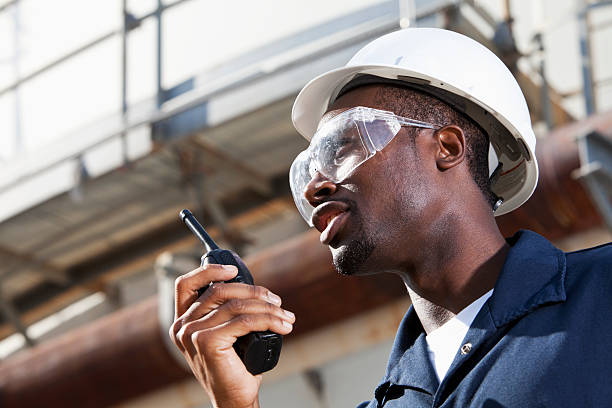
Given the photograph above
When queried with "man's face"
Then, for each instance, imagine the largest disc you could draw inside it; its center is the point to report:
(373, 219)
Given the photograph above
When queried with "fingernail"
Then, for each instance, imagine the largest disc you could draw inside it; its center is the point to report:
(230, 268)
(289, 314)
(287, 324)
(274, 298)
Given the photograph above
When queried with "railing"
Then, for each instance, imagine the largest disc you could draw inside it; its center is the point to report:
(152, 111)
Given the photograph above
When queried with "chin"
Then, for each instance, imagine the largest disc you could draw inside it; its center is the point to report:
(351, 258)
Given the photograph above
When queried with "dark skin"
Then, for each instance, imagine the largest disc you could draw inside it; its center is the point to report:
(412, 209)
(426, 232)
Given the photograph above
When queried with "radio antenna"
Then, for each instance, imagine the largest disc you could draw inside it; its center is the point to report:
(195, 227)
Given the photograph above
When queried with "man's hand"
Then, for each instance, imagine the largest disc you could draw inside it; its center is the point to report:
(206, 327)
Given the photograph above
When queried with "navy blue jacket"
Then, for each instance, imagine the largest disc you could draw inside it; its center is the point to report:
(543, 339)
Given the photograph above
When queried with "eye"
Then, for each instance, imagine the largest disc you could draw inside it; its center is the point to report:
(343, 149)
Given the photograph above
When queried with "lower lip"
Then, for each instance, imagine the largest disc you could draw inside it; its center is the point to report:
(333, 228)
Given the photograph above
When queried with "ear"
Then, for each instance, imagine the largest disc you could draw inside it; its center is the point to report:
(451, 147)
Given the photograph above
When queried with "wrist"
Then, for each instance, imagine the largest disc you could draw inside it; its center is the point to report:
(255, 404)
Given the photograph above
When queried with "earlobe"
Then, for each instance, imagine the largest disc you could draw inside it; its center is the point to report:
(451, 147)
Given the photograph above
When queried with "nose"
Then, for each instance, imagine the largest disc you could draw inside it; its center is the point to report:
(318, 189)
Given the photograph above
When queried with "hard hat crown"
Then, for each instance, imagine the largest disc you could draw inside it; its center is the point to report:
(457, 70)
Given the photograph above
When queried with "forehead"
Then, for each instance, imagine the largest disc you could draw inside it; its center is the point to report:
(367, 96)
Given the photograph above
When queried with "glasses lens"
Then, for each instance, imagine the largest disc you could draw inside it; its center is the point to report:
(299, 177)
(337, 149)
(381, 131)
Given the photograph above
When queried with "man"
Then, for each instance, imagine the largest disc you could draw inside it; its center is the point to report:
(415, 145)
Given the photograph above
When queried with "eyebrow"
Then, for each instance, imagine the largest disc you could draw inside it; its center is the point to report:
(329, 115)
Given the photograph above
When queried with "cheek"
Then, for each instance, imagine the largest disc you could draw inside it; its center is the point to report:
(382, 201)
(408, 198)
(415, 196)
(390, 192)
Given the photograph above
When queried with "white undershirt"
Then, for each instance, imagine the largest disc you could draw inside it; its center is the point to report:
(444, 342)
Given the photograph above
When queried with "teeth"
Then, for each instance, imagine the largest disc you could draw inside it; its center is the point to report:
(330, 219)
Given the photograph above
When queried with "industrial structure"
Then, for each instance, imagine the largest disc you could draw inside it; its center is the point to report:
(91, 242)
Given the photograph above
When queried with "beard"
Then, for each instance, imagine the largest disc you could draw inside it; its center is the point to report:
(350, 258)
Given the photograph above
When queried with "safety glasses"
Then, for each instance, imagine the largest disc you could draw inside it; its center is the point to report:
(342, 144)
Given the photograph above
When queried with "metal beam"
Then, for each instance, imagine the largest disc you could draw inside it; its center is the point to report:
(59, 60)
(560, 205)
(208, 199)
(255, 177)
(298, 61)
(461, 23)
(600, 3)
(481, 12)
(7, 5)
(584, 30)
(596, 171)
(163, 233)
(159, 91)
(82, 48)
(45, 269)
(9, 312)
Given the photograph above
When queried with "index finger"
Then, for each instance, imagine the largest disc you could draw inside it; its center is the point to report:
(186, 286)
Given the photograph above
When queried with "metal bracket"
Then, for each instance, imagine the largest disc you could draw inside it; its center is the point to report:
(12, 315)
(168, 267)
(595, 171)
(195, 178)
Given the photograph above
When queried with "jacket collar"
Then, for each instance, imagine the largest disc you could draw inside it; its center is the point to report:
(533, 275)
(409, 351)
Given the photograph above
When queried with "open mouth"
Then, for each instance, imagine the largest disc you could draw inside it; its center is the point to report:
(329, 218)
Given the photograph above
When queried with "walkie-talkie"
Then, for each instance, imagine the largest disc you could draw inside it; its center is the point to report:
(259, 351)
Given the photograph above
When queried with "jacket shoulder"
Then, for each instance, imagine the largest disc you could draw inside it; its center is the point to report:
(591, 264)
(595, 255)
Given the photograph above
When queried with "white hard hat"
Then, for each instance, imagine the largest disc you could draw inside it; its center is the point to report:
(457, 70)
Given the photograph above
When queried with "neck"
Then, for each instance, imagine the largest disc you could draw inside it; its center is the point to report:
(456, 270)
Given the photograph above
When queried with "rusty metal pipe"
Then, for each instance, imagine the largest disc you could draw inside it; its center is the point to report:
(560, 205)
(112, 359)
